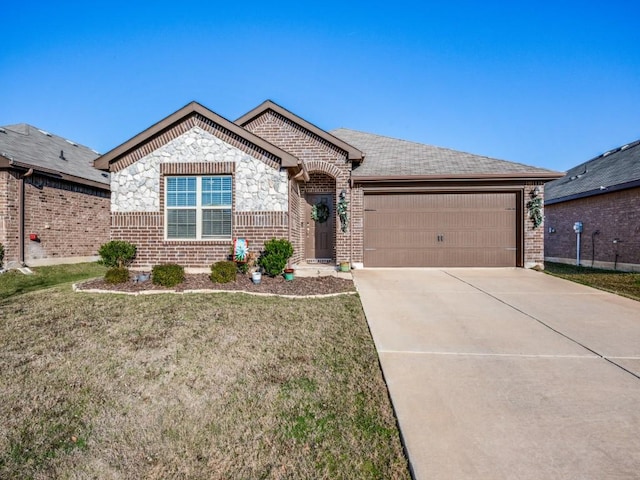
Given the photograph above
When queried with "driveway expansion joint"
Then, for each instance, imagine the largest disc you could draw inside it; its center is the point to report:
(608, 359)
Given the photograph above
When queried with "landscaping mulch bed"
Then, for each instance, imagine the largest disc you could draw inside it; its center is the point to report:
(300, 286)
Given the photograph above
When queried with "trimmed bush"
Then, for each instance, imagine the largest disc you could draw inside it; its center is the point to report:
(275, 256)
(242, 268)
(168, 275)
(223, 272)
(116, 253)
(117, 275)
(1, 254)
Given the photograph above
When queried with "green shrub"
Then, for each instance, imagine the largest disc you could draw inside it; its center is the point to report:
(275, 256)
(117, 275)
(223, 272)
(242, 268)
(116, 253)
(1, 254)
(168, 275)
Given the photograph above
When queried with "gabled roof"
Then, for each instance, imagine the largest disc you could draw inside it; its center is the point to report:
(353, 153)
(193, 108)
(24, 146)
(394, 159)
(614, 170)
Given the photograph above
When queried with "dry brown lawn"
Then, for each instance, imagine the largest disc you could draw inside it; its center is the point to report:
(191, 386)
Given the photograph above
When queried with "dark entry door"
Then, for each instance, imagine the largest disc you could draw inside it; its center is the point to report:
(319, 243)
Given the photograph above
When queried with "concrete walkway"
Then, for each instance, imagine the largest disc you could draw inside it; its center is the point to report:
(507, 373)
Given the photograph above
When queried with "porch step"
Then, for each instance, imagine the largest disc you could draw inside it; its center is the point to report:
(304, 269)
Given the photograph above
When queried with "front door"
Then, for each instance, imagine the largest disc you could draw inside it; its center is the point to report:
(320, 235)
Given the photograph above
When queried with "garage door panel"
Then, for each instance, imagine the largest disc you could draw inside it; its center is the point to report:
(410, 239)
(477, 229)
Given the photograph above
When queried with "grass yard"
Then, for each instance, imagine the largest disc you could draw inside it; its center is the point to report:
(14, 282)
(191, 386)
(621, 283)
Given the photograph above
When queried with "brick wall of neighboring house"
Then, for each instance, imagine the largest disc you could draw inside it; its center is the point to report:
(320, 157)
(70, 220)
(8, 216)
(533, 237)
(616, 216)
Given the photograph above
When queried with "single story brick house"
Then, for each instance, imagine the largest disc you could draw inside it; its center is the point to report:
(54, 205)
(603, 194)
(183, 189)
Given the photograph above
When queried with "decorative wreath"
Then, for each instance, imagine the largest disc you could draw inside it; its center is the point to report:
(320, 212)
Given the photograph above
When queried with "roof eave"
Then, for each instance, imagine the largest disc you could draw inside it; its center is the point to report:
(353, 153)
(105, 161)
(8, 163)
(458, 177)
(594, 192)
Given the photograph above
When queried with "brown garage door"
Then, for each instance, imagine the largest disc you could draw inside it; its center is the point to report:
(440, 230)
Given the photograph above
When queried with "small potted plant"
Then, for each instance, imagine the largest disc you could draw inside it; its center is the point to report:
(345, 266)
(288, 273)
(253, 268)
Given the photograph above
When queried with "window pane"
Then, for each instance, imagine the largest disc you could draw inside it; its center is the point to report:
(216, 191)
(181, 191)
(216, 223)
(181, 224)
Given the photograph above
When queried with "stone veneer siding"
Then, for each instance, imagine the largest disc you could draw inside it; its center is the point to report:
(320, 157)
(615, 215)
(70, 220)
(257, 186)
(261, 196)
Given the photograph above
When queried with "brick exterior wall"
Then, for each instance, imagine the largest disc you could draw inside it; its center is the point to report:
(616, 216)
(327, 165)
(356, 215)
(146, 231)
(296, 235)
(533, 237)
(9, 215)
(70, 220)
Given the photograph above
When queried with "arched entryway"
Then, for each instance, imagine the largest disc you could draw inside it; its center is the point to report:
(319, 218)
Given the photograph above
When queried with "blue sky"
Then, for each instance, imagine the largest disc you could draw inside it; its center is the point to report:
(550, 84)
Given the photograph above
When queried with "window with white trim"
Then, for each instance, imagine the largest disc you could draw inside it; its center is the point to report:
(198, 208)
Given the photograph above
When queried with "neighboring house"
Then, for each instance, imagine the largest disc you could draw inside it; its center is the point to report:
(604, 195)
(54, 205)
(183, 189)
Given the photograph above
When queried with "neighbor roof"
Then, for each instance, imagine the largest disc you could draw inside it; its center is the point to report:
(394, 159)
(616, 169)
(25, 146)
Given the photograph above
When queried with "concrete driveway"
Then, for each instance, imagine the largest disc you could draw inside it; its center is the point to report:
(507, 373)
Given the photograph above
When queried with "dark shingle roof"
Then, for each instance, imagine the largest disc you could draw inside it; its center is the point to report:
(30, 146)
(391, 157)
(613, 170)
